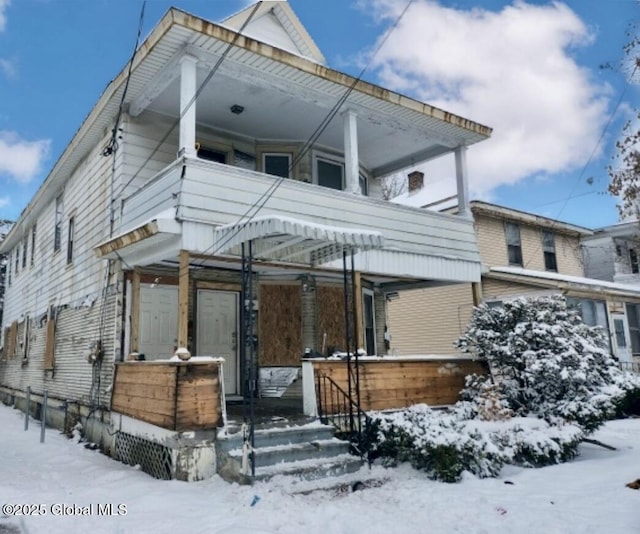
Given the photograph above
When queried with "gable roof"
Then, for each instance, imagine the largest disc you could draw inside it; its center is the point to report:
(275, 23)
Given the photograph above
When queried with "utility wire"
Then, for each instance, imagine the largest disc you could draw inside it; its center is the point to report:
(112, 146)
(586, 165)
(264, 198)
(210, 75)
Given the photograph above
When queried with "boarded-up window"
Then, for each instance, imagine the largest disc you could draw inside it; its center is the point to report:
(12, 339)
(50, 343)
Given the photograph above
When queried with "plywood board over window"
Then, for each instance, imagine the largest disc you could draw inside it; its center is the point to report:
(331, 319)
(280, 324)
(49, 351)
(11, 339)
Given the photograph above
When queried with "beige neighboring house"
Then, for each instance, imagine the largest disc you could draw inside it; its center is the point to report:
(523, 254)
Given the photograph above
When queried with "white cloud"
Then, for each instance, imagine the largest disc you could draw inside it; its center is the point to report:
(4, 202)
(21, 159)
(4, 4)
(8, 67)
(511, 70)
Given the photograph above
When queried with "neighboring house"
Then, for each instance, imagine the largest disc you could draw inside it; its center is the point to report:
(215, 215)
(611, 254)
(523, 255)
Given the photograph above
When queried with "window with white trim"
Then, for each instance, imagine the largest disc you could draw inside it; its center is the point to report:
(514, 245)
(277, 164)
(70, 238)
(369, 319)
(57, 230)
(328, 172)
(549, 251)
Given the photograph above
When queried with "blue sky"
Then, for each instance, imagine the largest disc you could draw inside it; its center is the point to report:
(529, 70)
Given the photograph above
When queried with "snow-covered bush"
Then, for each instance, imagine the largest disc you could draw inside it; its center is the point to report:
(532, 442)
(445, 444)
(434, 442)
(545, 361)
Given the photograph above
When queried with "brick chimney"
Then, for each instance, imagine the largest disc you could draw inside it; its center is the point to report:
(416, 181)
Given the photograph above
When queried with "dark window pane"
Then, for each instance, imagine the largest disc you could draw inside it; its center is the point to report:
(277, 164)
(550, 263)
(330, 174)
(515, 255)
(212, 155)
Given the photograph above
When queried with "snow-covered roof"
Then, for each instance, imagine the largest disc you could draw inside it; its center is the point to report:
(588, 283)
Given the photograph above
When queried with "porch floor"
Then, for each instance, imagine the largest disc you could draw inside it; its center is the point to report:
(268, 412)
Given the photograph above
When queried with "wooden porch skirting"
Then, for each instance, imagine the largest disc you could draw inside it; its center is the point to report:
(399, 382)
(180, 396)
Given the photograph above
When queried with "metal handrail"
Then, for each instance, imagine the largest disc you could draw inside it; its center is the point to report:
(337, 408)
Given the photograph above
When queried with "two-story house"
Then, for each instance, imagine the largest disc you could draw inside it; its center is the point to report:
(225, 204)
(523, 254)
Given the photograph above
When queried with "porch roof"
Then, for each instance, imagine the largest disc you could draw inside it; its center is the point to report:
(278, 238)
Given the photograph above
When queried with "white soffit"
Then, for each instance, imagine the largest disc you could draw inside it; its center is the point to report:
(293, 240)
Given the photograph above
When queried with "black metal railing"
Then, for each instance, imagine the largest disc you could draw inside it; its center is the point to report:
(337, 408)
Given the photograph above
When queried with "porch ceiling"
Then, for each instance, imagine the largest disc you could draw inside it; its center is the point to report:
(285, 239)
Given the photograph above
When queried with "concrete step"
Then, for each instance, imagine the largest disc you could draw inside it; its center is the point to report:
(293, 452)
(312, 468)
(275, 436)
(306, 452)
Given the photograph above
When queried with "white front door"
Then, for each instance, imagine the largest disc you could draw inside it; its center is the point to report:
(621, 337)
(217, 332)
(158, 329)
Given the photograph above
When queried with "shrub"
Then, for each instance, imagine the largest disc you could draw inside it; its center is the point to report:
(545, 361)
(445, 444)
(436, 443)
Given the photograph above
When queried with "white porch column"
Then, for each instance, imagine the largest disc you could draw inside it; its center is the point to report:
(351, 161)
(188, 82)
(462, 181)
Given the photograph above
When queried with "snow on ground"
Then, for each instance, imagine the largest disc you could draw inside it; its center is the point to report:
(585, 496)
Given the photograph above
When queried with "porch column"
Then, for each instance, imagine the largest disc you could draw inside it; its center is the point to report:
(135, 311)
(462, 180)
(188, 82)
(351, 161)
(183, 299)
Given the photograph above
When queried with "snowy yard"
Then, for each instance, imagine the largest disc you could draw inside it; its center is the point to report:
(585, 496)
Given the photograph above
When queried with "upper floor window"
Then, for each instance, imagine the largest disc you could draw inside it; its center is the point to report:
(9, 268)
(33, 245)
(633, 260)
(211, 154)
(25, 246)
(57, 230)
(17, 259)
(549, 251)
(364, 185)
(329, 173)
(70, 238)
(277, 164)
(514, 246)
